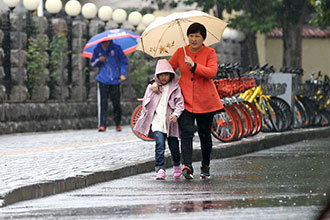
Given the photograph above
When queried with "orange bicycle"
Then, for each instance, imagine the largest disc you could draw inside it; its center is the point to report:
(135, 116)
(239, 118)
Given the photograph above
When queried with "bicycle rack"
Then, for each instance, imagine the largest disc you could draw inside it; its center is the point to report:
(292, 87)
(291, 82)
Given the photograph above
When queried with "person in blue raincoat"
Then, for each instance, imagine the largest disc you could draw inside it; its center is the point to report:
(112, 64)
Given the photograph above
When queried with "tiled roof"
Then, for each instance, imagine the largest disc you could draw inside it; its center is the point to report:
(306, 32)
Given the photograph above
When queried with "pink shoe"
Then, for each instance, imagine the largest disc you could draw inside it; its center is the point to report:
(160, 174)
(177, 171)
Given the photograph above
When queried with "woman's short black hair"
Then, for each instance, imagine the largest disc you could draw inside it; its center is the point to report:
(195, 28)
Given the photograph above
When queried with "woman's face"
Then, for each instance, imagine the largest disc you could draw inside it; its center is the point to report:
(195, 41)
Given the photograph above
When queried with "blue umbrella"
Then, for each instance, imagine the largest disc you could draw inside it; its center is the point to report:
(127, 40)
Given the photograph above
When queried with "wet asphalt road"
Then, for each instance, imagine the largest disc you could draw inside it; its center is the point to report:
(286, 182)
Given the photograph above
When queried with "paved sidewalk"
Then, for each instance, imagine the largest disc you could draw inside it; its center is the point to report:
(34, 165)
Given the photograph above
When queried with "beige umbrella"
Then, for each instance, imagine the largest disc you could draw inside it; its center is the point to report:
(162, 37)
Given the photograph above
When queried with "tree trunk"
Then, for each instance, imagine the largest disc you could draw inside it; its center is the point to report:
(292, 36)
(292, 45)
(250, 47)
(219, 9)
(250, 42)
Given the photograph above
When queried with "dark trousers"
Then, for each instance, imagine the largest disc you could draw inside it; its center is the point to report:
(187, 129)
(103, 93)
(173, 144)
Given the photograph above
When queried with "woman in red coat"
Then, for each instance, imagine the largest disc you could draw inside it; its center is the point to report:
(197, 67)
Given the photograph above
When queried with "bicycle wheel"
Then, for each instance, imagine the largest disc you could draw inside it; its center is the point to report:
(135, 116)
(256, 117)
(224, 126)
(268, 116)
(278, 117)
(300, 116)
(325, 117)
(286, 109)
(250, 123)
(244, 118)
(238, 120)
(312, 109)
(267, 125)
(301, 119)
(309, 111)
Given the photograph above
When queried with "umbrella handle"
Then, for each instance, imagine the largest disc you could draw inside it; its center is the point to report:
(184, 49)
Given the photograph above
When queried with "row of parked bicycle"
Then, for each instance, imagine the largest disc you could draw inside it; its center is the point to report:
(249, 110)
(251, 103)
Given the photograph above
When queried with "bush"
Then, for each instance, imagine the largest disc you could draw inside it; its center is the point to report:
(143, 70)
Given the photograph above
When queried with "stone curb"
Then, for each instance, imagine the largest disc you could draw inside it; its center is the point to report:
(220, 150)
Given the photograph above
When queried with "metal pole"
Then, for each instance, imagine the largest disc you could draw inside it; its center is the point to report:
(28, 24)
(87, 67)
(69, 66)
(50, 27)
(7, 51)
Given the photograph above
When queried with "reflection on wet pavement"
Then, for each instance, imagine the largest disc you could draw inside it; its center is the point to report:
(288, 182)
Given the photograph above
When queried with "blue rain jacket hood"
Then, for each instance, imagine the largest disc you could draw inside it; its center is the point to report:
(114, 66)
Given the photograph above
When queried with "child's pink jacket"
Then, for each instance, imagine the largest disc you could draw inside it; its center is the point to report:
(175, 103)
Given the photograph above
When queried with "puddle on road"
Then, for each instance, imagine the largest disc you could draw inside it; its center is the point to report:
(183, 207)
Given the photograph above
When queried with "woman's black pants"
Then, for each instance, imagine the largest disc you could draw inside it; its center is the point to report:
(187, 129)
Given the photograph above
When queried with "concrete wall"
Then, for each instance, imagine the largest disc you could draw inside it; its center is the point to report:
(71, 106)
(50, 116)
(315, 54)
(274, 52)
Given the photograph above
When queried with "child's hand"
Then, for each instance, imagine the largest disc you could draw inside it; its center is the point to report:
(156, 88)
(173, 118)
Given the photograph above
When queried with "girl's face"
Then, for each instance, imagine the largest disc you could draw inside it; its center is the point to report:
(164, 78)
(195, 41)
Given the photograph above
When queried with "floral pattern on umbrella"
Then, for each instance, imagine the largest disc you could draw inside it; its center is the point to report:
(163, 37)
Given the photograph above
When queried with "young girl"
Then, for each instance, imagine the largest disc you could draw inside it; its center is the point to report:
(160, 113)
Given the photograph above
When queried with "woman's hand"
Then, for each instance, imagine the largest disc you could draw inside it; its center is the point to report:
(156, 88)
(173, 118)
(188, 61)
